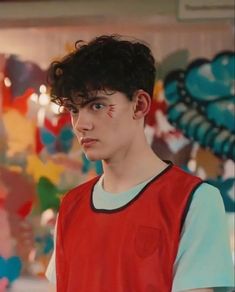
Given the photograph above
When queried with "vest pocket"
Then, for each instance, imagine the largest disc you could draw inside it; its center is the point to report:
(147, 241)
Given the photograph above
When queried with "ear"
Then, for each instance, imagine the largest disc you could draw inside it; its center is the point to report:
(142, 102)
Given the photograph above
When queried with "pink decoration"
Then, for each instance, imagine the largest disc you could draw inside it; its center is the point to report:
(3, 284)
(21, 193)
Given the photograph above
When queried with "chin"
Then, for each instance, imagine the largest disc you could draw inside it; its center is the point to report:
(93, 157)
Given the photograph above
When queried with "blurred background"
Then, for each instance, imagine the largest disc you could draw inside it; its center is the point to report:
(191, 123)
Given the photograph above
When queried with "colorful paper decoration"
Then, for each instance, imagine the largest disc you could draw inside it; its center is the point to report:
(25, 209)
(201, 102)
(55, 138)
(69, 162)
(17, 205)
(20, 132)
(166, 141)
(226, 187)
(211, 164)
(23, 75)
(60, 143)
(3, 284)
(89, 165)
(46, 243)
(3, 193)
(20, 103)
(23, 235)
(6, 247)
(177, 150)
(38, 169)
(48, 194)
(10, 268)
(20, 192)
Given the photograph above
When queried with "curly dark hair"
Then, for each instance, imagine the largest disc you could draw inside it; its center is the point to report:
(105, 63)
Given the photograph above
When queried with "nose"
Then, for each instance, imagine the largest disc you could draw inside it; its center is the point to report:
(82, 122)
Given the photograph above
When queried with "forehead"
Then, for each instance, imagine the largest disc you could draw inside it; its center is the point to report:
(82, 99)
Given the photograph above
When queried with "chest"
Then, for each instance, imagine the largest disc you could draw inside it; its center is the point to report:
(141, 229)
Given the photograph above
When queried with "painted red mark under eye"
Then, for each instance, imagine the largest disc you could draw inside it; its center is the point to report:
(111, 110)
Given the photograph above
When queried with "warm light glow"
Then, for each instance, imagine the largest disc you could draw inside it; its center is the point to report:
(43, 88)
(41, 117)
(44, 99)
(7, 82)
(47, 216)
(34, 97)
(55, 108)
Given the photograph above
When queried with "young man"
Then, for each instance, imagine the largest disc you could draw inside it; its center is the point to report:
(144, 225)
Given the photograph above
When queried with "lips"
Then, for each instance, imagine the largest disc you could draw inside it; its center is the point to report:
(87, 141)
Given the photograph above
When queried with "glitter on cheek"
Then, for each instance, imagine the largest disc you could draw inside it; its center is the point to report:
(111, 110)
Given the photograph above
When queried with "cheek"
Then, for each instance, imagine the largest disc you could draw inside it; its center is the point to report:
(73, 121)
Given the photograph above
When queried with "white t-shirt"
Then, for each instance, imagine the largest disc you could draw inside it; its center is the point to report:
(204, 257)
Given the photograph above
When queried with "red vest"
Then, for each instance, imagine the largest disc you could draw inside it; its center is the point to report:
(130, 249)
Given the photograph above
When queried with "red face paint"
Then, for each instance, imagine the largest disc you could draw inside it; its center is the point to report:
(111, 110)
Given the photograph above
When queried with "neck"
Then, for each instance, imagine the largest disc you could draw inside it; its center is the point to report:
(131, 168)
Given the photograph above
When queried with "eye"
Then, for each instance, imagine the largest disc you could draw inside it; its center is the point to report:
(97, 106)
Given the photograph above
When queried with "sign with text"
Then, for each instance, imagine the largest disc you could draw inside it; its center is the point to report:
(206, 9)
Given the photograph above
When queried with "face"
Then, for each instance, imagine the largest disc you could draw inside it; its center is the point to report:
(104, 125)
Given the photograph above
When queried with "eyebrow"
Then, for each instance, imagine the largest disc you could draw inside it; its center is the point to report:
(90, 100)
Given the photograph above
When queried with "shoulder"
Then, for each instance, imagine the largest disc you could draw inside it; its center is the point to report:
(204, 256)
(182, 185)
(204, 200)
(206, 217)
(205, 204)
(182, 177)
(206, 196)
